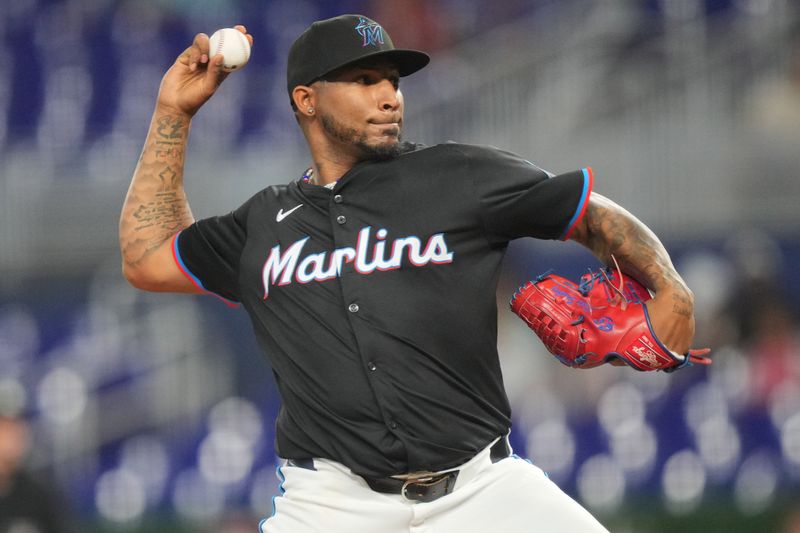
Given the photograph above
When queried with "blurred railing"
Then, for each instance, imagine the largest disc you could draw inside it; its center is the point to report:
(661, 115)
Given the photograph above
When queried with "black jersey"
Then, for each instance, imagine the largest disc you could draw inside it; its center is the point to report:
(375, 300)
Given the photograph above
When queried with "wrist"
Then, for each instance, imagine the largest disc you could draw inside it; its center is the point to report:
(167, 109)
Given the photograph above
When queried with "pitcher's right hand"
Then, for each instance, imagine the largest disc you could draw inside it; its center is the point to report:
(194, 77)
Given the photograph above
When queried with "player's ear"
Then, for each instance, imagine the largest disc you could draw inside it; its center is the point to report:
(304, 100)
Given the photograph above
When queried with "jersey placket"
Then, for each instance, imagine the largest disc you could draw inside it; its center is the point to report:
(345, 233)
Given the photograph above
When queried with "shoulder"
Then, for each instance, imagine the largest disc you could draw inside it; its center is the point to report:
(490, 160)
(266, 199)
(272, 194)
(450, 151)
(476, 153)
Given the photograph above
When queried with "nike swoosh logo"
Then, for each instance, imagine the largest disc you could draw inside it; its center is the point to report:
(281, 215)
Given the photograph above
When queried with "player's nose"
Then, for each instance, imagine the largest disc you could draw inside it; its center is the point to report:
(388, 96)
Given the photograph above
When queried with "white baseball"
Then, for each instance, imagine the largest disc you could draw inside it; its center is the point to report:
(234, 47)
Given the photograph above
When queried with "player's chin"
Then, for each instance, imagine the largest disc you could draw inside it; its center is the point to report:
(386, 142)
(388, 135)
(382, 148)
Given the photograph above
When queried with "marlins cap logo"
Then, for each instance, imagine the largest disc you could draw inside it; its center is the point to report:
(370, 31)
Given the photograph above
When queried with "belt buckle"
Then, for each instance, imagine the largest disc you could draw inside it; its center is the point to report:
(413, 481)
(431, 484)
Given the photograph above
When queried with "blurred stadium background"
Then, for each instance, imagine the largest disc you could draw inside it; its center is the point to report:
(155, 412)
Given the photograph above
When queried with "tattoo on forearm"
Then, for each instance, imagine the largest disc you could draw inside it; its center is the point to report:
(682, 311)
(168, 179)
(681, 305)
(613, 231)
(169, 127)
(156, 206)
(169, 152)
(170, 138)
(165, 211)
(609, 230)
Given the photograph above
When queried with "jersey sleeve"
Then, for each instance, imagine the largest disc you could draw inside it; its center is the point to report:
(518, 199)
(208, 252)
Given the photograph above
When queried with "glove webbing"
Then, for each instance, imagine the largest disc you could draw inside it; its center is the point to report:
(546, 327)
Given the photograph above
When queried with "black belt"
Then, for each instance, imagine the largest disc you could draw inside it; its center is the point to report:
(425, 488)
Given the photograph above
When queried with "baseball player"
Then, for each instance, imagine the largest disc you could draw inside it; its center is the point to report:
(370, 281)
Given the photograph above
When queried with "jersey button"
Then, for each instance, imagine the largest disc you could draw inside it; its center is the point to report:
(353, 308)
(372, 366)
(393, 424)
(341, 219)
(337, 198)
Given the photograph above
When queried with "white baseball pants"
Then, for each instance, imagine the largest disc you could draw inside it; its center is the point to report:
(510, 496)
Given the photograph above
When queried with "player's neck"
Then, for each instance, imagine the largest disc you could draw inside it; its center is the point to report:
(324, 172)
(330, 165)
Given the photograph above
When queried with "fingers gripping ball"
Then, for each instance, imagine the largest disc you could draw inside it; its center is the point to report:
(590, 323)
(234, 47)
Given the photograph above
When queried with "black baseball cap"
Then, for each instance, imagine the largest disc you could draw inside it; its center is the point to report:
(333, 43)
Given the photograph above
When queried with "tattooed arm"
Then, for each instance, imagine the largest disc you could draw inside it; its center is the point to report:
(607, 229)
(156, 207)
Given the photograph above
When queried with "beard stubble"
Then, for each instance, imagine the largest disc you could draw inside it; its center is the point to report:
(351, 136)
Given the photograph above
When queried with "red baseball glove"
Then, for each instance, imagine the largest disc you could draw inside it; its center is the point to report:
(601, 319)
